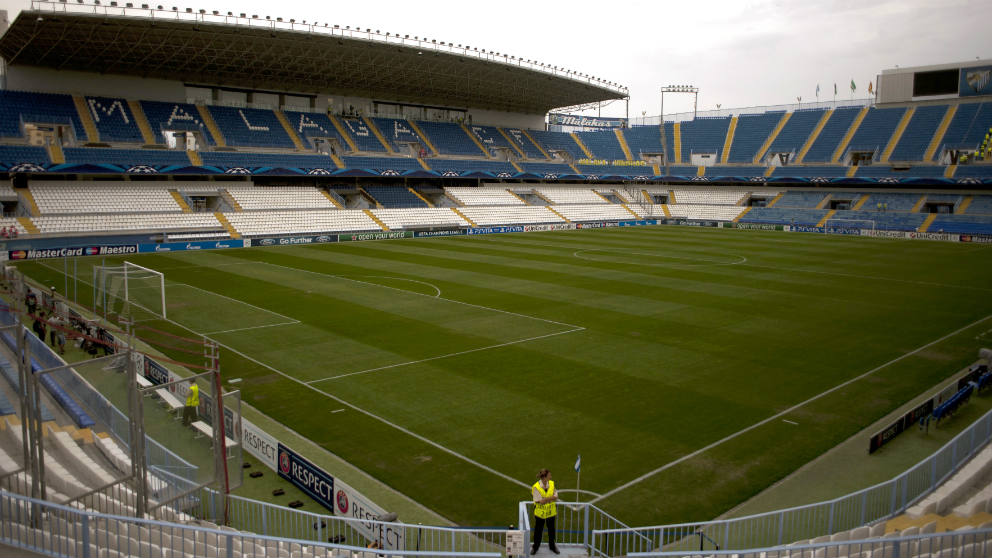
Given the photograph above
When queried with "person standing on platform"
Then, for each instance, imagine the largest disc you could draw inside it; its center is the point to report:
(192, 404)
(545, 510)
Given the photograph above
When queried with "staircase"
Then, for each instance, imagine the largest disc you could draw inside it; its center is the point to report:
(656, 169)
(851, 171)
(231, 201)
(842, 147)
(462, 215)
(513, 143)
(227, 225)
(289, 130)
(729, 140)
(826, 217)
(208, 121)
(775, 199)
(337, 160)
(897, 135)
(423, 164)
(664, 208)
(771, 138)
(582, 146)
(676, 143)
(422, 198)
(963, 206)
(861, 202)
(370, 198)
(743, 213)
(700, 171)
(813, 135)
(514, 194)
(824, 202)
(139, 118)
(623, 145)
(378, 135)
(552, 210)
(949, 171)
(516, 166)
(423, 136)
(194, 158)
(769, 171)
(28, 225)
(28, 198)
(376, 219)
(55, 153)
(344, 133)
(927, 222)
(475, 140)
(537, 145)
(92, 135)
(631, 211)
(332, 199)
(938, 135)
(180, 200)
(918, 204)
(671, 198)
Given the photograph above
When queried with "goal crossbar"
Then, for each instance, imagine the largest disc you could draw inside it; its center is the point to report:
(126, 274)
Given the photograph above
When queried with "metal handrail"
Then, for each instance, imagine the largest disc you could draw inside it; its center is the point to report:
(864, 506)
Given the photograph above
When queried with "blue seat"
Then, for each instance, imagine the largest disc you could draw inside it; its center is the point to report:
(449, 138)
(250, 127)
(831, 135)
(751, 133)
(40, 108)
(174, 116)
(114, 120)
(394, 196)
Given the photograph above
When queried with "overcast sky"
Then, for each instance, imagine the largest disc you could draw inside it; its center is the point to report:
(739, 53)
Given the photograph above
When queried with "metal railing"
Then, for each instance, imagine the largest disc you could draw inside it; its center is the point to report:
(881, 501)
(576, 524)
(737, 111)
(56, 530)
(972, 543)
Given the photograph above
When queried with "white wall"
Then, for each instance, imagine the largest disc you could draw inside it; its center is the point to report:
(31, 78)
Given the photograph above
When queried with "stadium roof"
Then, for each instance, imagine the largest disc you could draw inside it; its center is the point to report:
(262, 54)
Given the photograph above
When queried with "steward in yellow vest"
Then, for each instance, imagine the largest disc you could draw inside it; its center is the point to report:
(545, 510)
(192, 405)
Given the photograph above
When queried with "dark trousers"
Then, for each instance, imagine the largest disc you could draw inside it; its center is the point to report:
(539, 532)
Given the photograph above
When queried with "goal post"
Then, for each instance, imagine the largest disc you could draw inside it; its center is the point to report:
(860, 224)
(129, 288)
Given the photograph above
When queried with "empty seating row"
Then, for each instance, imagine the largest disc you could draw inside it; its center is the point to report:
(258, 223)
(596, 212)
(704, 212)
(66, 197)
(395, 196)
(709, 196)
(484, 195)
(420, 217)
(82, 223)
(566, 195)
(509, 215)
(283, 197)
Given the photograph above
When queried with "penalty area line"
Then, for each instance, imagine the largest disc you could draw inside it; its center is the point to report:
(779, 415)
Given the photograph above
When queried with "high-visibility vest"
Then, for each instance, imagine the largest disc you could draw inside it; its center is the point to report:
(193, 399)
(545, 511)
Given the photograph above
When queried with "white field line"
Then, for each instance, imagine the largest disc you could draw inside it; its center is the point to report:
(781, 414)
(251, 327)
(449, 355)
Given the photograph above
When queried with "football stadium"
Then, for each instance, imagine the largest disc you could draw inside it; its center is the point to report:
(284, 288)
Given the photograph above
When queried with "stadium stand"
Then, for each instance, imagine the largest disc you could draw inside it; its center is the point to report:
(796, 131)
(831, 135)
(970, 123)
(811, 171)
(382, 164)
(603, 145)
(784, 216)
(980, 205)
(250, 127)
(709, 196)
(875, 130)
(419, 217)
(703, 212)
(12, 155)
(314, 124)
(114, 120)
(491, 138)
(920, 130)
(22, 107)
(361, 134)
(510, 215)
(483, 195)
(530, 149)
(174, 116)
(127, 159)
(450, 139)
(463, 166)
(260, 223)
(282, 197)
(752, 131)
(703, 135)
(400, 134)
(557, 142)
(395, 197)
(127, 222)
(546, 168)
(65, 198)
(243, 159)
(596, 212)
(643, 139)
(800, 199)
(569, 195)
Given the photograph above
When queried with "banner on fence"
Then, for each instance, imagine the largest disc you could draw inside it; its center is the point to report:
(73, 252)
(497, 230)
(260, 444)
(293, 240)
(554, 227)
(306, 476)
(374, 236)
(445, 232)
(195, 245)
(348, 502)
(600, 225)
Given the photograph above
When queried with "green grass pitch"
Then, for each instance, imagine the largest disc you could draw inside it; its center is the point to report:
(665, 356)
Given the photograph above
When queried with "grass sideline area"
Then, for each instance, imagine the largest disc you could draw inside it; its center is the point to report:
(668, 357)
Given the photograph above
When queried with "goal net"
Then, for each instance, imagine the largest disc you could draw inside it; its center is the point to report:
(129, 289)
(833, 225)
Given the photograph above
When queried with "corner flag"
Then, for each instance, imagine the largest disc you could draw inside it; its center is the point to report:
(578, 463)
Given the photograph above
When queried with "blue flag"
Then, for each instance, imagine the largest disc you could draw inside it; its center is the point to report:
(578, 463)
